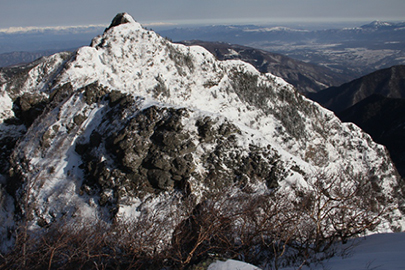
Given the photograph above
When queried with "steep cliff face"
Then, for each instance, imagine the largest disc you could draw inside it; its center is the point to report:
(383, 119)
(387, 82)
(374, 103)
(134, 122)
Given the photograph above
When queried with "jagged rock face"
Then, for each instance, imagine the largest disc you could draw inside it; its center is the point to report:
(134, 120)
(21, 104)
(157, 149)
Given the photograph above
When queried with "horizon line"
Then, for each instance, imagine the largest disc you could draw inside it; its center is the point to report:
(260, 21)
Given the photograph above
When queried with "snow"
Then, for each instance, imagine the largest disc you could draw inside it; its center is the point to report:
(134, 60)
(231, 265)
(378, 251)
(232, 52)
(6, 105)
(275, 29)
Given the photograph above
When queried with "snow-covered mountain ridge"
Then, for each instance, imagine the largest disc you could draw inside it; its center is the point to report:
(134, 122)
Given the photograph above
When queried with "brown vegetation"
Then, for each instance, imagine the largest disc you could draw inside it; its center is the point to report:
(270, 230)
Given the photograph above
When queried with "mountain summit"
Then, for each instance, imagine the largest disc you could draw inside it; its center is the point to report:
(134, 125)
(121, 18)
(381, 25)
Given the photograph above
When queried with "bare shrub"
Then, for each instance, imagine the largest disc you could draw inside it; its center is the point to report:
(91, 246)
(272, 229)
(336, 208)
(254, 228)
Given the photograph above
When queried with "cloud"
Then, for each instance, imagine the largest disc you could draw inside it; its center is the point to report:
(14, 30)
(159, 24)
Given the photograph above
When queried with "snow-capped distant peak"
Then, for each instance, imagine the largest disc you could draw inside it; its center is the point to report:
(380, 23)
(275, 29)
(377, 25)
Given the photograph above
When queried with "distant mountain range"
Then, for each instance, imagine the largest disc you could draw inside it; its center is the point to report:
(15, 58)
(351, 51)
(247, 33)
(381, 25)
(45, 39)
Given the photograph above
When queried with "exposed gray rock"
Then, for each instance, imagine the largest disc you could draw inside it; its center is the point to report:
(152, 152)
(29, 106)
(93, 93)
(120, 18)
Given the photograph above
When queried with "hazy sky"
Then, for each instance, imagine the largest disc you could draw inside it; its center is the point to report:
(22, 13)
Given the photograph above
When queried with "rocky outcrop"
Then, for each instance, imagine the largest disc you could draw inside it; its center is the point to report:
(120, 18)
(152, 151)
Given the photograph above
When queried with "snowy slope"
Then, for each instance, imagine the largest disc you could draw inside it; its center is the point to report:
(132, 59)
(231, 264)
(84, 127)
(383, 252)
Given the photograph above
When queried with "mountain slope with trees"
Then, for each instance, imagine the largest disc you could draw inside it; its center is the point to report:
(388, 82)
(132, 134)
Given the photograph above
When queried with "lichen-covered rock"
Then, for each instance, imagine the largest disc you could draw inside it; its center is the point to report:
(159, 149)
(146, 151)
(93, 93)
